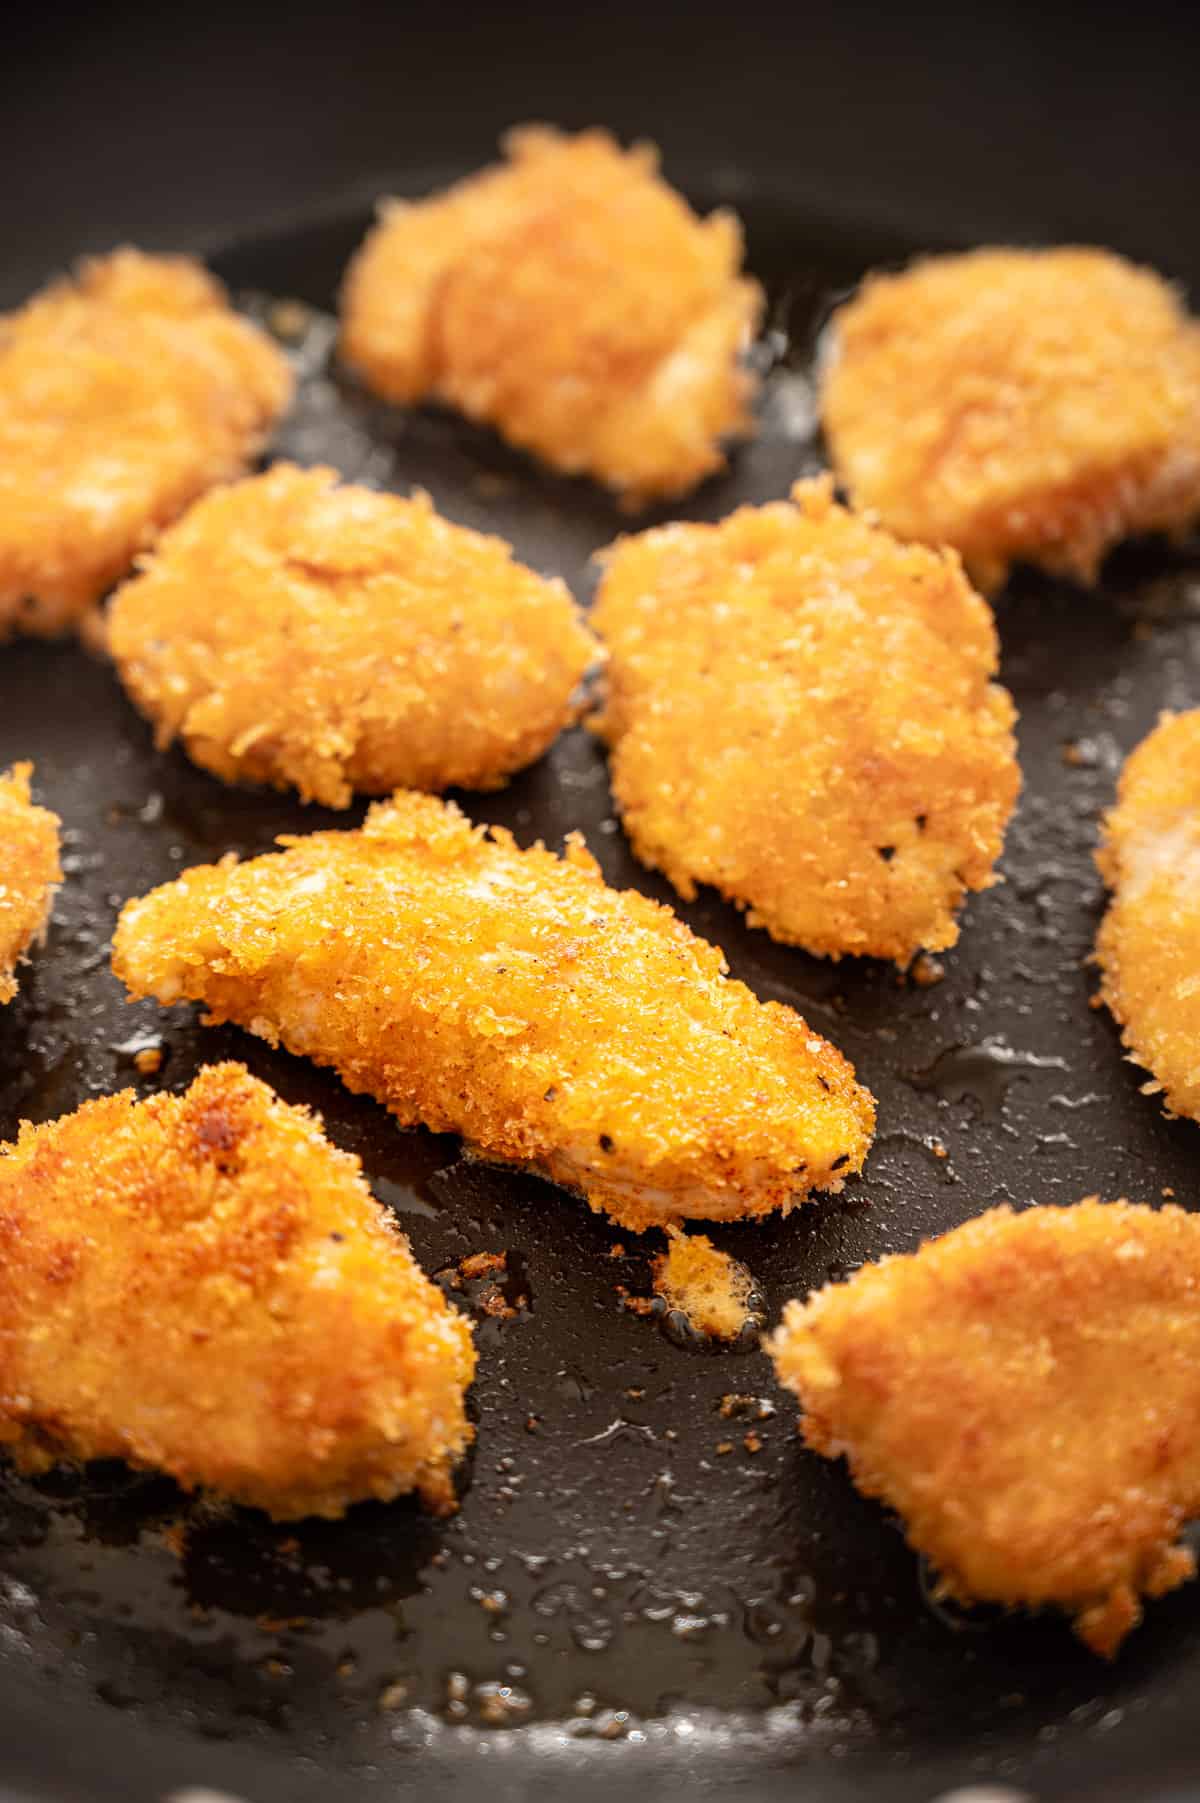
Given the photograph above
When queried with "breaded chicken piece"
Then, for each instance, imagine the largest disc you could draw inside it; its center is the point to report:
(571, 299)
(29, 872)
(203, 1285)
(801, 712)
(124, 394)
(329, 638)
(512, 997)
(1148, 946)
(1025, 1392)
(1031, 405)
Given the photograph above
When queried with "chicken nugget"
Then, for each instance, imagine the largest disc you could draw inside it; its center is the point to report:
(1025, 1392)
(801, 712)
(203, 1285)
(124, 394)
(1148, 946)
(29, 872)
(328, 638)
(1020, 405)
(512, 997)
(572, 300)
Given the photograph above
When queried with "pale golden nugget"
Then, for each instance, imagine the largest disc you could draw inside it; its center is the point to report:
(1148, 946)
(29, 872)
(511, 997)
(203, 1285)
(1021, 405)
(571, 299)
(1025, 1392)
(124, 394)
(328, 638)
(802, 712)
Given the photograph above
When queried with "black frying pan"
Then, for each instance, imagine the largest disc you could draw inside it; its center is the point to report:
(619, 1602)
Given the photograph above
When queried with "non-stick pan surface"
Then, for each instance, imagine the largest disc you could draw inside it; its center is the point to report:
(650, 1582)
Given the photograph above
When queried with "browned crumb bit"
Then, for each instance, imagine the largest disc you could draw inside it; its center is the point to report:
(174, 1538)
(724, 1446)
(752, 1442)
(1074, 755)
(938, 1149)
(636, 1305)
(532, 1423)
(149, 1060)
(926, 971)
(482, 1264)
(617, 1250)
(734, 1403)
(393, 1696)
(289, 319)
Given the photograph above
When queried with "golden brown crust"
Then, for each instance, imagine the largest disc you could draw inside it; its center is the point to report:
(801, 712)
(511, 997)
(203, 1285)
(124, 394)
(1024, 1391)
(29, 872)
(1019, 405)
(299, 632)
(571, 299)
(1148, 946)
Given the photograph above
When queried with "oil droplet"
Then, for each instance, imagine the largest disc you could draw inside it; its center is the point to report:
(980, 1073)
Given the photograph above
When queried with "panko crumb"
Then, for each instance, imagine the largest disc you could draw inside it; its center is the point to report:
(1024, 1393)
(1021, 405)
(176, 1273)
(572, 300)
(124, 394)
(512, 997)
(30, 872)
(712, 1290)
(1148, 946)
(298, 631)
(859, 764)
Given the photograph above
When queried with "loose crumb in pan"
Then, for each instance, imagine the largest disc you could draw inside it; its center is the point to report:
(1024, 1392)
(124, 394)
(710, 1288)
(1020, 405)
(174, 1275)
(321, 636)
(571, 299)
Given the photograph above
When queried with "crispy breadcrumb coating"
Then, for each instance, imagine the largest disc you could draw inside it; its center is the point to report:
(1148, 946)
(712, 1290)
(512, 997)
(124, 394)
(203, 1285)
(1025, 1392)
(29, 872)
(1020, 405)
(571, 299)
(328, 638)
(801, 712)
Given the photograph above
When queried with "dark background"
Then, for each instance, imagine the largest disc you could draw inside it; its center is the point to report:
(181, 124)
